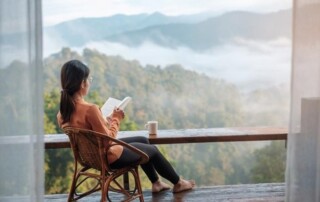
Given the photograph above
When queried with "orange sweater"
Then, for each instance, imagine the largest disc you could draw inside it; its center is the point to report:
(89, 116)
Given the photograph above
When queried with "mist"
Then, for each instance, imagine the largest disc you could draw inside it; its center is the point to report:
(242, 62)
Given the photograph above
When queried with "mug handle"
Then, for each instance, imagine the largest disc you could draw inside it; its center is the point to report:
(146, 126)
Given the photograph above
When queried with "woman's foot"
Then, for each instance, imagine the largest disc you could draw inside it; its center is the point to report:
(183, 185)
(159, 186)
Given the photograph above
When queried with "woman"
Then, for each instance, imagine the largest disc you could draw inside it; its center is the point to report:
(76, 112)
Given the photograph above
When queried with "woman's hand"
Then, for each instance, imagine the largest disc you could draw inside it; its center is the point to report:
(109, 120)
(118, 114)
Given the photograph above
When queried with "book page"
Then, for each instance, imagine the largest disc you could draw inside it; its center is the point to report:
(124, 103)
(108, 107)
(111, 103)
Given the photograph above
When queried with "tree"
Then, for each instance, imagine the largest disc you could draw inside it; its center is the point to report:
(270, 163)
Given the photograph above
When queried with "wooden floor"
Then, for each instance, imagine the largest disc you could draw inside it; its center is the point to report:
(267, 192)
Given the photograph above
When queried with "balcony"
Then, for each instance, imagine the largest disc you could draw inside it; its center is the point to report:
(236, 192)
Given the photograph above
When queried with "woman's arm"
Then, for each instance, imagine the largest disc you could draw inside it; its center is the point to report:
(99, 123)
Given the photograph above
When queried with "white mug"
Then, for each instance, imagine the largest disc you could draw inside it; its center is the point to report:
(152, 127)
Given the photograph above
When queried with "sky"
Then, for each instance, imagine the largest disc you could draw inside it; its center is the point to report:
(56, 11)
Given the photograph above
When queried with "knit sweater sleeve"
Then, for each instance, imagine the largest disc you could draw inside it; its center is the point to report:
(99, 123)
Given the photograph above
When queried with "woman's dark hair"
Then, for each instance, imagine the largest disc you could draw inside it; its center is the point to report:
(73, 73)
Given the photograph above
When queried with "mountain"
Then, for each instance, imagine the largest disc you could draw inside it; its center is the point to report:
(213, 31)
(198, 32)
(80, 31)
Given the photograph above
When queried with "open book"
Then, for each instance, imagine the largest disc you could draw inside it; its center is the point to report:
(108, 107)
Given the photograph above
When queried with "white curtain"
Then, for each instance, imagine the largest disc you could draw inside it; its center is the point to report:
(303, 152)
(21, 101)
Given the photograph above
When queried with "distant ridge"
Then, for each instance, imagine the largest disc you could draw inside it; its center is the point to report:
(213, 31)
(79, 31)
(198, 32)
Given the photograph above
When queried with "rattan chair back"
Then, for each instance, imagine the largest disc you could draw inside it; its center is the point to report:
(90, 150)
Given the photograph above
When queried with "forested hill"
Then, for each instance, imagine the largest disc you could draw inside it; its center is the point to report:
(176, 97)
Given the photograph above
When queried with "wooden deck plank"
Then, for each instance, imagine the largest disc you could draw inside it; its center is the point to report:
(56, 141)
(266, 192)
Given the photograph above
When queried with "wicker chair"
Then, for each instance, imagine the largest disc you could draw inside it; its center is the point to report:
(90, 150)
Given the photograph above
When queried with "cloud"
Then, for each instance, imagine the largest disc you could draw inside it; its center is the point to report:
(52, 43)
(240, 62)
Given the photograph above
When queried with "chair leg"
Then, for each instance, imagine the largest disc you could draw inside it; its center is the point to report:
(71, 193)
(73, 184)
(138, 184)
(104, 192)
(105, 184)
(105, 189)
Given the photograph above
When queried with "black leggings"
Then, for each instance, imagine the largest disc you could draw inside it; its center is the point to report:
(157, 162)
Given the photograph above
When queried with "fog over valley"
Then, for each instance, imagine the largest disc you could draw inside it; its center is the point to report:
(240, 47)
(241, 62)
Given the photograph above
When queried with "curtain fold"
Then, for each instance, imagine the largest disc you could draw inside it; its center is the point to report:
(21, 101)
(303, 152)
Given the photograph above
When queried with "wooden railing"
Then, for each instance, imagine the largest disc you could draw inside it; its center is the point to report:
(56, 141)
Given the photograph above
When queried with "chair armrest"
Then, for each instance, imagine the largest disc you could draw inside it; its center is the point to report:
(107, 139)
(144, 156)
